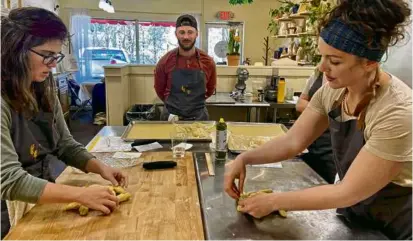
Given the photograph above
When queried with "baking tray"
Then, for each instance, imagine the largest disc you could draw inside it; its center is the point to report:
(246, 131)
(160, 130)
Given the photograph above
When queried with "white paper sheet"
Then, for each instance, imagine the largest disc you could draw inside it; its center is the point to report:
(127, 155)
(111, 144)
(148, 147)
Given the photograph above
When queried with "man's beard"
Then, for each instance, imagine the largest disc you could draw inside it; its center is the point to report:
(186, 48)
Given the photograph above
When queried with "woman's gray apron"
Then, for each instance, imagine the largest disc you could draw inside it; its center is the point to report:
(35, 142)
(390, 209)
(187, 96)
(320, 153)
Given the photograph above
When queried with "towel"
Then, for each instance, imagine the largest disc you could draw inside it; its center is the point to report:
(17, 210)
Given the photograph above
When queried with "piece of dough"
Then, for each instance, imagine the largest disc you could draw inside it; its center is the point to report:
(71, 206)
(119, 190)
(83, 210)
(195, 130)
(124, 197)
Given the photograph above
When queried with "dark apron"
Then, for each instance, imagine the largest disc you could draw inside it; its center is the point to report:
(35, 142)
(187, 96)
(390, 209)
(320, 154)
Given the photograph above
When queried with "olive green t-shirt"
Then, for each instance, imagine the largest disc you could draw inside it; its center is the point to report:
(16, 183)
(388, 123)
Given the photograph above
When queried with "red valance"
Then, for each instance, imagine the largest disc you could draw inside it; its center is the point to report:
(126, 22)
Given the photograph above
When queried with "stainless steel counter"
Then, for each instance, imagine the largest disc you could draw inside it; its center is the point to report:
(223, 99)
(222, 221)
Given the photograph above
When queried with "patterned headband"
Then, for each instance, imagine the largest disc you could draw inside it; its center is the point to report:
(344, 37)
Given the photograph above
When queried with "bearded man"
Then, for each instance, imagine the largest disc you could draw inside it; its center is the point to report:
(186, 76)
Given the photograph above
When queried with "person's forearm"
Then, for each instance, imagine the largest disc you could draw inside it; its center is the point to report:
(316, 198)
(301, 105)
(57, 193)
(94, 165)
(276, 150)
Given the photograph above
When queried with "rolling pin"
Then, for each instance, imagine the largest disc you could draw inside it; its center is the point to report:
(158, 165)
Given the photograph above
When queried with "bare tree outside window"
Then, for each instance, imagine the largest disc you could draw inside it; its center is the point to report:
(154, 38)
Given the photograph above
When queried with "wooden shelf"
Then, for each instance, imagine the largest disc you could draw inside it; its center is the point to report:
(306, 13)
(306, 34)
(293, 35)
(284, 19)
(292, 17)
(298, 16)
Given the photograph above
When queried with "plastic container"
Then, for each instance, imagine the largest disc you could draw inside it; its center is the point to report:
(281, 91)
(142, 113)
(248, 97)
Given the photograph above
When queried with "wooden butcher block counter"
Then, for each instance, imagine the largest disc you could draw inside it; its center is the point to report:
(164, 205)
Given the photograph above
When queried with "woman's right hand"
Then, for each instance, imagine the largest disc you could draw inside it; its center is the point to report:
(235, 170)
(99, 198)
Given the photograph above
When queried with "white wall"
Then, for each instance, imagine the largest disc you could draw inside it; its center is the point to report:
(47, 4)
(399, 62)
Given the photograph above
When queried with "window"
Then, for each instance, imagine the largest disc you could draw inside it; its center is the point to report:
(217, 39)
(155, 39)
(114, 41)
(140, 42)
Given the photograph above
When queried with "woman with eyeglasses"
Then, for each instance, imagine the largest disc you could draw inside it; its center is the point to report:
(369, 114)
(34, 135)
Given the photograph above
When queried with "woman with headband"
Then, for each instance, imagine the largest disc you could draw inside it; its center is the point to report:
(34, 135)
(369, 115)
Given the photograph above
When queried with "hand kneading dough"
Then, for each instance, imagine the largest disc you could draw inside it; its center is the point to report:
(122, 195)
(243, 196)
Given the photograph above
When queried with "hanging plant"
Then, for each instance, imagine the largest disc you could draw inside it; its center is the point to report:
(273, 27)
(240, 2)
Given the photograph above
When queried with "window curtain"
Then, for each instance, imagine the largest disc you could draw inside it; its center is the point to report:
(79, 29)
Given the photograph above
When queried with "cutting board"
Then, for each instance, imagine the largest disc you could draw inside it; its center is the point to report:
(164, 205)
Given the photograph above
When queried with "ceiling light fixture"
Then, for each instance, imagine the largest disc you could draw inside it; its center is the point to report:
(107, 6)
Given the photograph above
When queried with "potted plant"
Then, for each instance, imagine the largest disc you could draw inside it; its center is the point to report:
(273, 27)
(286, 8)
(275, 14)
(234, 44)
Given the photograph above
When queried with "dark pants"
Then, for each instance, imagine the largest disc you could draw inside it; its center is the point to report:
(323, 165)
(5, 223)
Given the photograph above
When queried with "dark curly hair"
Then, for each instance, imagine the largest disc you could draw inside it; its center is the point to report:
(380, 20)
(23, 29)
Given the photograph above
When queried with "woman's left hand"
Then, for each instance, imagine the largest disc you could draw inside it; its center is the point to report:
(114, 175)
(259, 205)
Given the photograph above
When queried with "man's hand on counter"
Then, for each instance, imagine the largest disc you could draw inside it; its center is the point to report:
(114, 175)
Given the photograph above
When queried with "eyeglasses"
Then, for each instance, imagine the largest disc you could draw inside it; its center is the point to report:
(49, 59)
